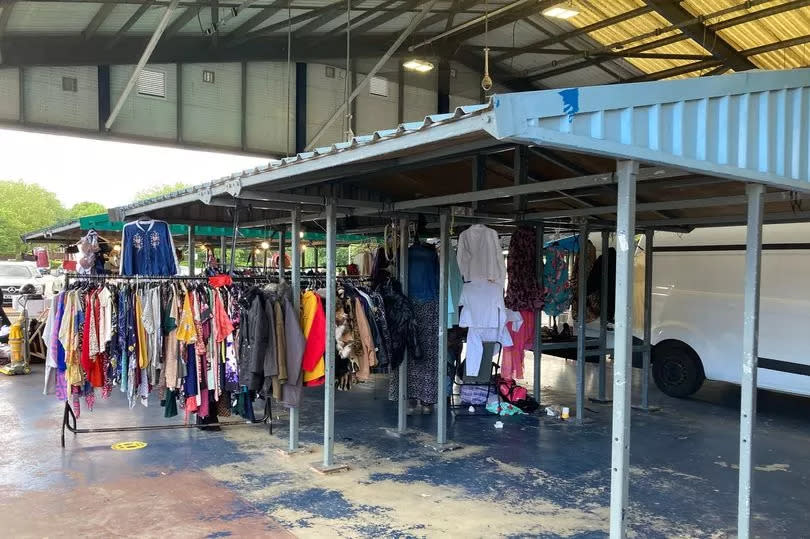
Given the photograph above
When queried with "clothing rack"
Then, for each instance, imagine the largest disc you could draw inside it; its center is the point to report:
(69, 419)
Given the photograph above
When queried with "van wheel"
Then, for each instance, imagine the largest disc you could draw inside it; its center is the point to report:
(677, 369)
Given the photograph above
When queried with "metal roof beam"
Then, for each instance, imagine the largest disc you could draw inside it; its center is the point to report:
(497, 18)
(150, 47)
(687, 204)
(676, 38)
(264, 14)
(19, 50)
(7, 7)
(575, 33)
(700, 34)
(608, 54)
(724, 220)
(97, 20)
(567, 184)
(250, 194)
(183, 19)
(717, 64)
(135, 17)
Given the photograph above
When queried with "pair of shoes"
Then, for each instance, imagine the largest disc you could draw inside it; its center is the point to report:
(427, 409)
(413, 410)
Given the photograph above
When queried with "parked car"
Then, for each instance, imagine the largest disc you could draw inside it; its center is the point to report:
(15, 275)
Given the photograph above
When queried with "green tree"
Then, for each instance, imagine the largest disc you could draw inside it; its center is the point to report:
(25, 207)
(83, 209)
(158, 190)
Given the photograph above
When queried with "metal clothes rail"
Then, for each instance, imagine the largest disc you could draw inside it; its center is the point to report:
(69, 419)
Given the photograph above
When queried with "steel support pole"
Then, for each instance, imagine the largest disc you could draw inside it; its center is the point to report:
(582, 296)
(150, 47)
(233, 238)
(441, 405)
(538, 314)
(750, 349)
(191, 254)
(603, 319)
(402, 396)
(295, 275)
(281, 252)
(648, 275)
(329, 384)
(223, 256)
(626, 172)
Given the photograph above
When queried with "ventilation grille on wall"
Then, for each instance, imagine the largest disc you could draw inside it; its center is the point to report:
(378, 86)
(152, 83)
(70, 84)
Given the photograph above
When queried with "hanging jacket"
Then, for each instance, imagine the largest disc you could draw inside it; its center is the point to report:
(295, 343)
(313, 324)
(401, 320)
(252, 340)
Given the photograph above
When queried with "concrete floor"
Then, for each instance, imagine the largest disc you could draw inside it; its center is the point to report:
(535, 477)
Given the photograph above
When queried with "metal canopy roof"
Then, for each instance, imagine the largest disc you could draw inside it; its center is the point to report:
(615, 41)
(700, 138)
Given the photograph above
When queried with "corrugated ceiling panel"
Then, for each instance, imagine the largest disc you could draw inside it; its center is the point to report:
(51, 17)
(763, 31)
(149, 21)
(517, 34)
(197, 24)
(593, 12)
(117, 18)
(279, 17)
(588, 76)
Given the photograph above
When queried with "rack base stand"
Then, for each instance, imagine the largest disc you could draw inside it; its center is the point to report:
(396, 433)
(329, 470)
(69, 424)
(302, 450)
(445, 447)
(599, 401)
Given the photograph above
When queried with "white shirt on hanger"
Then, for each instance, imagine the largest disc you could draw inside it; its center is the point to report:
(480, 256)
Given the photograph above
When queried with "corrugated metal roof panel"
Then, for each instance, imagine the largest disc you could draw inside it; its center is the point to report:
(51, 17)
(192, 194)
(749, 125)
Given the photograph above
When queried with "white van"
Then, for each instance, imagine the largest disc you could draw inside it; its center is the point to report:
(697, 318)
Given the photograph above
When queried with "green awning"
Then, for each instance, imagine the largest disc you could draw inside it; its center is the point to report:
(102, 222)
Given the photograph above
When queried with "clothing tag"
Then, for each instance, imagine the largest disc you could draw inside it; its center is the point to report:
(622, 243)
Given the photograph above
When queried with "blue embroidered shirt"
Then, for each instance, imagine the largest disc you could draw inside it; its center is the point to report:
(147, 249)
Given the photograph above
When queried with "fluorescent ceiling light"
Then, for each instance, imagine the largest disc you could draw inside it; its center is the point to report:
(418, 65)
(561, 12)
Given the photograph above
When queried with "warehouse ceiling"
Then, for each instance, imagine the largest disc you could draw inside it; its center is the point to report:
(605, 42)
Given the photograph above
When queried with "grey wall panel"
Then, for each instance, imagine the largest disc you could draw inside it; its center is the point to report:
(324, 96)
(461, 101)
(465, 86)
(145, 116)
(212, 112)
(10, 92)
(376, 112)
(267, 117)
(421, 98)
(47, 103)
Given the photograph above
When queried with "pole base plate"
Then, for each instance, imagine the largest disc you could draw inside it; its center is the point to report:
(319, 468)
(646, 409)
